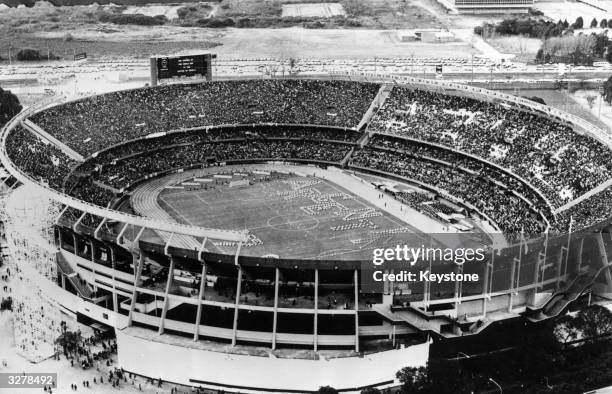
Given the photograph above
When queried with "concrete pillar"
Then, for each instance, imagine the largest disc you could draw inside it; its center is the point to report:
(196, 333)
(113, 265)
(511, 288)
(93, 265)
(579, 257)
(487, 285)
(604, 261)
(75, 243)
(166, 295)
(136, 284)
(315, 331)
(238, 290)
(458, 288)
(356, 286)
(275, 319)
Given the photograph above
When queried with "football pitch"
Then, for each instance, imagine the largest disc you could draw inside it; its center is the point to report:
(291, 217)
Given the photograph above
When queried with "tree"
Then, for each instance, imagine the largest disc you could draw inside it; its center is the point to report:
(603, 23)
(601, 43)
(594, 23)
(29, 54)
(607, 90)
(370, 390)
(414, 380)
(9, 106)
(608, 56)
(327, 390)
(579, 24)
(596, 320)
(565, 329)
(69, 341)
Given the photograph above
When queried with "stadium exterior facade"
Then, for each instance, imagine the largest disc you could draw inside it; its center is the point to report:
(96, 273)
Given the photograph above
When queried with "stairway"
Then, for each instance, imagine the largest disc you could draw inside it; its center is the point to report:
(561, 299)
(82, 288)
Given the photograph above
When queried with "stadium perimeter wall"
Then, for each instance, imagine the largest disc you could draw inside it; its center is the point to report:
(180, 364)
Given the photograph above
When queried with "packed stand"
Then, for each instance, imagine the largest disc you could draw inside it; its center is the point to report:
(92, 124)
(511, 213)
(588, 212)
(38, 159)
(200, 136)
(87, 190)
(448, 157)
(551, 156)
(121, 173)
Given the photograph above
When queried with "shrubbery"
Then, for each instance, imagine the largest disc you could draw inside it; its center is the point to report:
(29, 54)
(270, 22)
(215, 22)
(132, 19)
(528, 27)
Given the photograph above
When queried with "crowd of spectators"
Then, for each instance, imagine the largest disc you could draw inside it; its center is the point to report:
(92, 124)
(588, 212)
(123, 172)
(533, 153)
(511, 213)
(467, 163)
(551, 156)
(40, 160)
(87, 190)
(200, 136)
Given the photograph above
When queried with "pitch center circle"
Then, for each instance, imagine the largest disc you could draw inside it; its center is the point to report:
(293, 222)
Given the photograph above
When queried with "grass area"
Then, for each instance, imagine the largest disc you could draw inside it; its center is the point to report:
(282, 223)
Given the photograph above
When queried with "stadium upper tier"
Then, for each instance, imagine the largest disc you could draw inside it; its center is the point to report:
(560, 162)
(514, 167)
(95, 123)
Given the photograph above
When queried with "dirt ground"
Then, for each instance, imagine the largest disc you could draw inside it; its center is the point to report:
(247, 43)
(302, 43)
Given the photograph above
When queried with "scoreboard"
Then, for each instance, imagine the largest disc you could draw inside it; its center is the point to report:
(168, 67)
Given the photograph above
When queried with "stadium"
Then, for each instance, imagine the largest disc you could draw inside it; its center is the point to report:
(225, 229)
